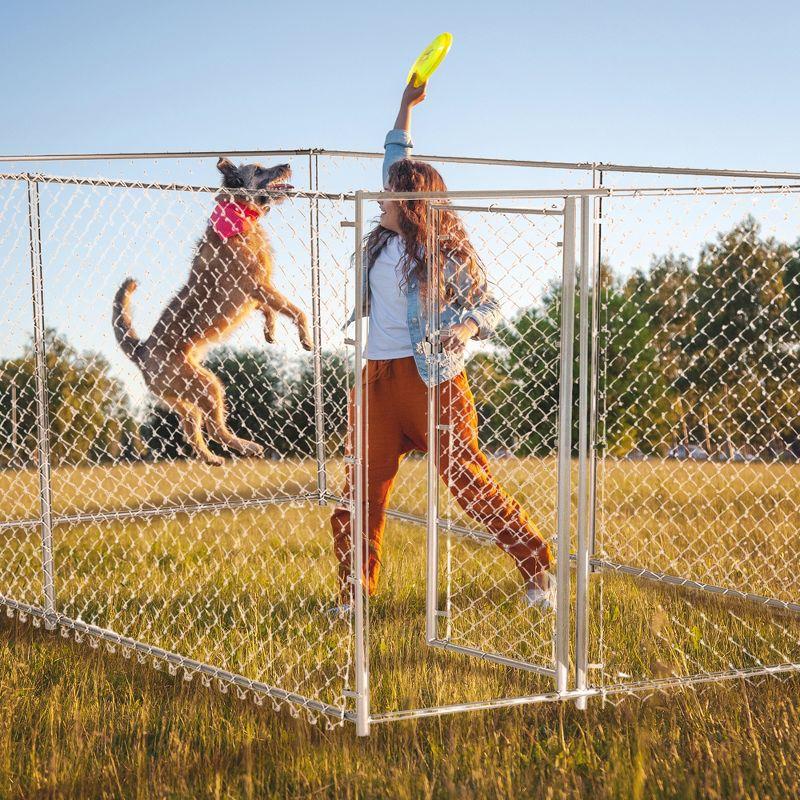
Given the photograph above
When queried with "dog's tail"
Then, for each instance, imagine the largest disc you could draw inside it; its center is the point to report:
(129, 342)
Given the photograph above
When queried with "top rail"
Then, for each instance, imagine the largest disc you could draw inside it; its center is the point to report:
(544, 194)
(586, 166)
(469, 194)
(113, 183)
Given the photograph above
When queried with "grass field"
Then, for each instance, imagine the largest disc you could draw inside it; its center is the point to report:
(244, 590)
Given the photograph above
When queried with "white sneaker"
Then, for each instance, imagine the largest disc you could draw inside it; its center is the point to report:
(543, 599)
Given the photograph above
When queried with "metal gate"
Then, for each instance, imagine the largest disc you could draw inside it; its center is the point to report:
(473, 599)
(530, 244)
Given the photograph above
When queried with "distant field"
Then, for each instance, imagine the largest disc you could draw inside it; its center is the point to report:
(245, 590)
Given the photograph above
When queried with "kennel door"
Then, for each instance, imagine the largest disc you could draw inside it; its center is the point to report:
(492, 492)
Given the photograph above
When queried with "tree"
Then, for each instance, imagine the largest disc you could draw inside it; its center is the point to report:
(270, 400)
(87, 407)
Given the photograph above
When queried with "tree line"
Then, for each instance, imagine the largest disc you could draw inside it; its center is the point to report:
(702, 352)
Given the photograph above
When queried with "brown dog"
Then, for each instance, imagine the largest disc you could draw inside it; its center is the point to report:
(231, 275)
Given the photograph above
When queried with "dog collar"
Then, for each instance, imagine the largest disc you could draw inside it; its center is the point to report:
(231, 218)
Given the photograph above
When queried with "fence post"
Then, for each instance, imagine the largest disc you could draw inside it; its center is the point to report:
(42, 416)
(316, 326)
(565, 445)
(595, 369)
(361, 614)
(582, 561)
(432, 358)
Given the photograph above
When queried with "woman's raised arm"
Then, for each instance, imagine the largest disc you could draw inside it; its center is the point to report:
(398, 142)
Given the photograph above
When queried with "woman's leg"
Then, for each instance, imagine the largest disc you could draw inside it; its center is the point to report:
(385, 447)
(465, 469)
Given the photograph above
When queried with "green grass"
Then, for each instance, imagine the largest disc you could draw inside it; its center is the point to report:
(244, 590)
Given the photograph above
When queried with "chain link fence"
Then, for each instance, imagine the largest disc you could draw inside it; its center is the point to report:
(698, 423)
(650, 433)
(219, 571)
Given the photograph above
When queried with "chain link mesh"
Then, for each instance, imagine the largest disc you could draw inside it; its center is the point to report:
(697, 513)
(227, 569)
(226, 573)
(514, 378)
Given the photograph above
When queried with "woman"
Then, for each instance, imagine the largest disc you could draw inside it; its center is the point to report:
(397, 371)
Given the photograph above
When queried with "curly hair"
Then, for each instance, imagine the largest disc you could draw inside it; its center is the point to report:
(415, 231)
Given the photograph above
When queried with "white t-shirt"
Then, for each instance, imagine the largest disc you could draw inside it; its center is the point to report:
(389, 336)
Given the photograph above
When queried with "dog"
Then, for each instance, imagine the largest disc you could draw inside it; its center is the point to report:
(230, 276)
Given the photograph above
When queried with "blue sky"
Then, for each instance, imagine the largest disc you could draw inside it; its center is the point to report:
(702, 84)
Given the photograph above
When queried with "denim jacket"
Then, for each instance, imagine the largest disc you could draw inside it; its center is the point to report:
(466, 301)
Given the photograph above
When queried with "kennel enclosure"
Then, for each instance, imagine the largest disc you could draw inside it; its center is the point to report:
(638, 399)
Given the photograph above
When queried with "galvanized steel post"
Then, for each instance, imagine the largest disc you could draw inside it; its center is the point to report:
(316, 325)
(432, 357)
(565, 445)
(42, 416)
(582, 560)
(360, 612)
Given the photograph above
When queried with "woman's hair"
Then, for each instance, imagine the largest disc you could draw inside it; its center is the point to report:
(417, 176)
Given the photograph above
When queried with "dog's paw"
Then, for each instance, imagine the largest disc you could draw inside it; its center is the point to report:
(252, 449)
(306, 342)
(213, 461)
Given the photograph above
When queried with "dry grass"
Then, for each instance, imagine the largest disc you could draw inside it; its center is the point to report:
(77, 722)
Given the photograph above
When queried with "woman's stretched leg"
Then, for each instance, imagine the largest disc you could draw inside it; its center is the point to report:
(385, 445)
(465, 468)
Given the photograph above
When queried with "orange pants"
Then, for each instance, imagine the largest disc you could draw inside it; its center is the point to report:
(395, 423)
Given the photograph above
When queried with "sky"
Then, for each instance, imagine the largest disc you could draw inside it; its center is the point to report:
(685, 83)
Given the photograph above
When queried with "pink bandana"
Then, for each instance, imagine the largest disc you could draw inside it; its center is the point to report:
(230, 219)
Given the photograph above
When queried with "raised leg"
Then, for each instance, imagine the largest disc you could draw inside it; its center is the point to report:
(267, 296)
(270, 320)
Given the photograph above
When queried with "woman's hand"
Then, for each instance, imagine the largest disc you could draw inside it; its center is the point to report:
(411, 97)
(458, 336)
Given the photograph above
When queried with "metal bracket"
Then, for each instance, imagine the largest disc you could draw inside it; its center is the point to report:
(346, 223)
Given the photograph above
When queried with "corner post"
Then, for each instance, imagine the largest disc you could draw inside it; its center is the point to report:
(43, 420)
(316, 326)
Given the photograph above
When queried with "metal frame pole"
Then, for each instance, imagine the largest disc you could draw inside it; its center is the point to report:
(357, 529)
(316, 324)
(43, 421)
(564, 445)
(597, 290)
(432, 358)
(582, 560)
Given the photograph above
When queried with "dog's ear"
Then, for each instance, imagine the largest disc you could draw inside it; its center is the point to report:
(226, 167)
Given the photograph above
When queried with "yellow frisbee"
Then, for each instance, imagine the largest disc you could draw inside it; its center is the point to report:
(429, 59)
